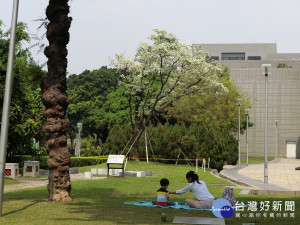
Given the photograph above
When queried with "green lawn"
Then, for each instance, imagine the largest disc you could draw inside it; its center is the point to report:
(8, 181)
(133, 166)
(255, 159)
(101, 201)
(170, 171)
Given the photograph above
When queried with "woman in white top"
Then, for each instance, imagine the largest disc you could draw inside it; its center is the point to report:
(199, 189)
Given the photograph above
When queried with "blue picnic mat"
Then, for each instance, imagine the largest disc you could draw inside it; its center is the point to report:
(176, 206)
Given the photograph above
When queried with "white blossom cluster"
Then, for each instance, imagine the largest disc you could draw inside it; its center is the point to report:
(166, 70)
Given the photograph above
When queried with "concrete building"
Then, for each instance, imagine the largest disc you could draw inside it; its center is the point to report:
(244, 62)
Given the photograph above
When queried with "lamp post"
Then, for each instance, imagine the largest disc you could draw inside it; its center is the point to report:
(266, 70)
(276, 143)
(239, 130)
(247, 115)
(7, 98)
(79, 126)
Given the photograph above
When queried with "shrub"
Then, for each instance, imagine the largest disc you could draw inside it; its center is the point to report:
(117, 139)
(89, 147)
(21, 158)
(74, 161)
(86, 161)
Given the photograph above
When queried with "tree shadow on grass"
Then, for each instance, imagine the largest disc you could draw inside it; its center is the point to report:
(106, 206)
(96, 202)
(23, 208)
(37, 194)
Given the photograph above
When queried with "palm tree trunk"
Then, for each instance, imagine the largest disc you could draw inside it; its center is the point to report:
(55, 100)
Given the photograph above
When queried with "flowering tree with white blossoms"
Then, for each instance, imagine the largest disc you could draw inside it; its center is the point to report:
(161, 73)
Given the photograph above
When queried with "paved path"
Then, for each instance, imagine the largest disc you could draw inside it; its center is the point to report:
(282, 175)
(31, 183)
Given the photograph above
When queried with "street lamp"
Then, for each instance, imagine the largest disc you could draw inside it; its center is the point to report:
(266, 70)
(78, 141)
(247, 115)
(7, 98)
(276, 143)
(239, 130)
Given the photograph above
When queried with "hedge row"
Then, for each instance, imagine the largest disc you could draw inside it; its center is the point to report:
(74, 161)
(86, 161)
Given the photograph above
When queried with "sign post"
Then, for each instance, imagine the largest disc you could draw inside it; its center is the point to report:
(203, 163)
(208, 162)
(115, 160)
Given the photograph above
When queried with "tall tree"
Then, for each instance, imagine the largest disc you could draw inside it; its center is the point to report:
(55, 100)
(113, 111)
(161, 73)
(26, 119)
(87, 93)
(213, 111)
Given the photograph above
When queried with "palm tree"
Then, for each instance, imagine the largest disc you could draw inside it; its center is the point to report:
(55, 100)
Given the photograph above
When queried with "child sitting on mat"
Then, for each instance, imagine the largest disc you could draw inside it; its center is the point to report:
(162, 194)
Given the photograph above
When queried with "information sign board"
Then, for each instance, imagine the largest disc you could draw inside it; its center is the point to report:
(116, 159)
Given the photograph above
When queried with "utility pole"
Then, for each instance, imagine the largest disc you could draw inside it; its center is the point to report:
(7, 99)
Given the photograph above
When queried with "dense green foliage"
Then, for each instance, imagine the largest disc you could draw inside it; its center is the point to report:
(85, 161)
(211, 110)
(118, 138)
(90, 147)
(26, 117)
(21, 158)
(74, 161)
(95, 101)
(178, 142)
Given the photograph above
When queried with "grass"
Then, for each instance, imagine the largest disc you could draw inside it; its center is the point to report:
(170, 171)
(132, 166)
(101, 201)
(255, 159)
(29, 177)
(9, 181)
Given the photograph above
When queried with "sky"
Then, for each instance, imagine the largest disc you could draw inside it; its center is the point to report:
(102, 28)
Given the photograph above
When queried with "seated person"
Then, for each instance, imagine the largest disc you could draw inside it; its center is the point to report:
(199, 189)
(162, 194)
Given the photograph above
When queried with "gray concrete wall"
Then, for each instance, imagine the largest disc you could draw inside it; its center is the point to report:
(283, 105)
(294, 64)
(254, 49)
(284, 56)
(283, 93)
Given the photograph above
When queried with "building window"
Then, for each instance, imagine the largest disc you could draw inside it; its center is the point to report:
(233, 56)
(215, 57)
(254, 57)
